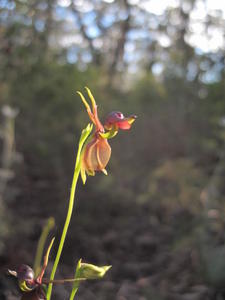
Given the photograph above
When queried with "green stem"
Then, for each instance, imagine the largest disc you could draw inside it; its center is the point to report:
(85, 133)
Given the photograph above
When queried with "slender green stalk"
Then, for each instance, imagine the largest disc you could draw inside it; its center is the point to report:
(41, 244)
(76, 283)
(85, 133)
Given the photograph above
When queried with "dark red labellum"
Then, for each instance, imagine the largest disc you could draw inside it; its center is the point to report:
(24, 272)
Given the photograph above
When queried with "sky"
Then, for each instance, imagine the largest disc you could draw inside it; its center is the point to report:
(157, 7)
(198, 38)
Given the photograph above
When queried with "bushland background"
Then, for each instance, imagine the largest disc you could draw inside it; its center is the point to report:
(159, 216)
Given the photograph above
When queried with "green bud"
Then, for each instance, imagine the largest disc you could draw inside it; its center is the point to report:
(90, 271)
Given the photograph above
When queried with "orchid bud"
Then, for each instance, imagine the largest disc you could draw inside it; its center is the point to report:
(90, 271)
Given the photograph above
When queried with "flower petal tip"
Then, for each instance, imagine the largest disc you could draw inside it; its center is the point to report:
(83, 176)
(88, 128)
(104, 171)
(13, 273)
(131, 119)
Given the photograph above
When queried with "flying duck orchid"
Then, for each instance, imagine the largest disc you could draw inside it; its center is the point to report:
(97, 151)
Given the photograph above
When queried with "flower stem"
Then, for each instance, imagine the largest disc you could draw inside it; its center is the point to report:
(85, 133)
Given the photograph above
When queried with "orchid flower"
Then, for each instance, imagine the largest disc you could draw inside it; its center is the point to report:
(97, 151)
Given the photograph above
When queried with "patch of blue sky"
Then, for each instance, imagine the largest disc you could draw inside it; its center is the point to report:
(4, 17)
(154, 23)
(93, 31)
(7, 4)
(192, 70)
(143, 20)
(157, 68)
(108, 20)
(199, 51)
(123, 15)
(3, 3)
(132, 56)
(210, 76)
(72, 56)
(135, 34)
(61, 12)
(39, 25)
(213, 74)
(66, 15)
(88, 18)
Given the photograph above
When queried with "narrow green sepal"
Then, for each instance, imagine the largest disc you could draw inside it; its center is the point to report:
(76, 283)
(85, 133)
(41, 243)
(83, 175)
(109, 134)
(90, 271)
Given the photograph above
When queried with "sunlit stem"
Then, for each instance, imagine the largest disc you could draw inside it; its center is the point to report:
(85, 133)
(41, 244)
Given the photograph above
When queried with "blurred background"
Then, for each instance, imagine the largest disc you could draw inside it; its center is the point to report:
(159, 216)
